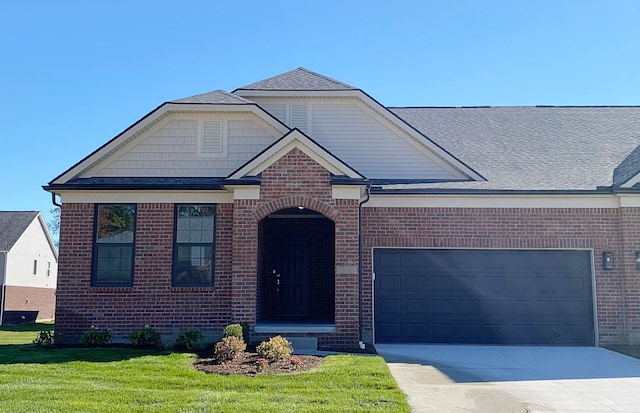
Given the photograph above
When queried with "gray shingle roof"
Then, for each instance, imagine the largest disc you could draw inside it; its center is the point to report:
(534, 148)
(298, 79)
(12, 225)
(215, 97)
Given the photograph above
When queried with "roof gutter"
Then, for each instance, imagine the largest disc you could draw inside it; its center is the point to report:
(360, 274)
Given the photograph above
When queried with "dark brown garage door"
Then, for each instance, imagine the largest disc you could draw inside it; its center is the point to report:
(541, 297)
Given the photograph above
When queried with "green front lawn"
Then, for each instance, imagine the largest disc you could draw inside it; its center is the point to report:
(92, 380)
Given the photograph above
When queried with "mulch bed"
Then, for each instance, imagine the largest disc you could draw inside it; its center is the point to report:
(246, 364)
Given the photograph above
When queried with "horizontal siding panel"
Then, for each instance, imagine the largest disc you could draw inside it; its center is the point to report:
(172, 151)
(368, 146)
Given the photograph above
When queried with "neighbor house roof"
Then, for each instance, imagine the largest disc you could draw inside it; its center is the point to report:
(298, 79)
(534, 148)
(12, 225)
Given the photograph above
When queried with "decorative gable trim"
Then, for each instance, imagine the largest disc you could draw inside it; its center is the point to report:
(631, 182)
(295, 139)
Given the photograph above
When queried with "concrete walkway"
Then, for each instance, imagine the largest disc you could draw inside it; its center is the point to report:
(508, 379)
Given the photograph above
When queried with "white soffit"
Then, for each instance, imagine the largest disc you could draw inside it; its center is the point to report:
(295, 139)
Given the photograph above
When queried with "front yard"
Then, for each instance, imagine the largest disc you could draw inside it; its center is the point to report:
(114, 379)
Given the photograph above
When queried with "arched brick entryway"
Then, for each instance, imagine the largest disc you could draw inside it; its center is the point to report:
(296, 266)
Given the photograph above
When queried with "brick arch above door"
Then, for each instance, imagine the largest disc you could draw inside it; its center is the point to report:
(274, 205)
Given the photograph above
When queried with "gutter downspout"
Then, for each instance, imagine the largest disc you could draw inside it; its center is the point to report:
(3, 285)
(360, 275)
(53, 200)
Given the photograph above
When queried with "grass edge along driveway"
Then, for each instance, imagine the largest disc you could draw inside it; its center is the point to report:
(115, 379)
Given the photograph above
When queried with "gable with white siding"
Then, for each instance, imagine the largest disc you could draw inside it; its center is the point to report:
(360, 137)
(190, 145)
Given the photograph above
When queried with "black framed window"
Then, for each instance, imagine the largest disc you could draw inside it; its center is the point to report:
(194, 245)
(114, 245)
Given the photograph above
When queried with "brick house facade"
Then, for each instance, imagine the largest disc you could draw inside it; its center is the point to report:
(339, 219)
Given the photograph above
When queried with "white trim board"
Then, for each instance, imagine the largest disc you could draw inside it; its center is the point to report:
(173, 197)
(498, 201)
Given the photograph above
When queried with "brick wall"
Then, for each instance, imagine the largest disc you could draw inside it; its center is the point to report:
(524, 228)
(151, 300)
(296, 180)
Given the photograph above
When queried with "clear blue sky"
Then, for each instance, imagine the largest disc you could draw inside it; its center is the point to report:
(73, 74)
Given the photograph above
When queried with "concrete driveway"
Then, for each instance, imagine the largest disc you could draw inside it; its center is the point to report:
(496, 379)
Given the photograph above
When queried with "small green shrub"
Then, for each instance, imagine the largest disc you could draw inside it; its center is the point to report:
(245, 332)
(95, 337)
(233, 330)
(228, 348)
(188, 340)
(145, 338)
(47, 339)
(277, 348)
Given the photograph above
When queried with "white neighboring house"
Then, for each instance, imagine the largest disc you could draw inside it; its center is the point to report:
(28, 268)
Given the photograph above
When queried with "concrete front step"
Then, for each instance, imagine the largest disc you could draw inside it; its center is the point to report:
(303, 344)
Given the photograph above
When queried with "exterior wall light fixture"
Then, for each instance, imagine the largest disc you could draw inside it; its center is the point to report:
(607, 260)
(637, 260)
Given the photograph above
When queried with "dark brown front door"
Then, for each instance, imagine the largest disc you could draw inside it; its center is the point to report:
(291, 278)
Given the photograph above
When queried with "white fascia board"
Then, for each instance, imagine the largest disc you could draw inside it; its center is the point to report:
(346, 191)
(171, 197)
(629, 200)
(244, 191)
(493, 201)
(154, 117)
(386, 117)
(631, 182)
(295, 140)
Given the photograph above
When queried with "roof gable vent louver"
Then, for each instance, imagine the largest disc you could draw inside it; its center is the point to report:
(212, 136)
(299, 117)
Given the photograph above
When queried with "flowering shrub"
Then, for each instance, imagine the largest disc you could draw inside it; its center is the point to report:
(261, 364)
(295, 362)
(95, 337)
(228, 348)
(277, 348)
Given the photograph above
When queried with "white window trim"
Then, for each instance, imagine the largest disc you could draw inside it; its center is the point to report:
(200, 141)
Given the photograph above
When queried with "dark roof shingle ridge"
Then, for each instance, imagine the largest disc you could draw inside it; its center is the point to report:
(255, 85)
(199, 96)
(326, 78)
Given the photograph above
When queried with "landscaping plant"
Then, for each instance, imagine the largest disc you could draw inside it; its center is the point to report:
(228, 348)
(275, 349)
(188, 340)
(233, 330)
(145, 338)
(95, 337)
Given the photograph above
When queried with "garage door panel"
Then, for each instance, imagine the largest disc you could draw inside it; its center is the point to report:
(390, 283)
(415, 283)
(484, 296)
